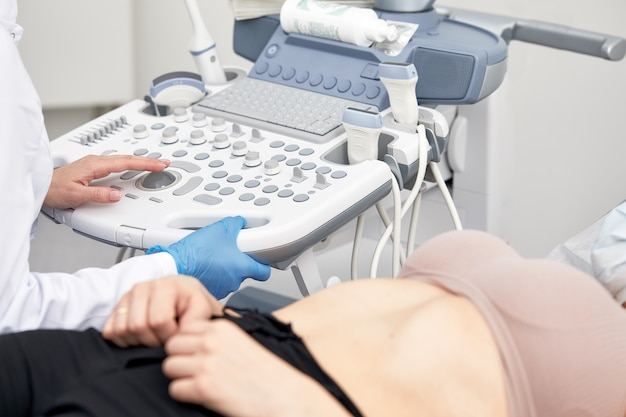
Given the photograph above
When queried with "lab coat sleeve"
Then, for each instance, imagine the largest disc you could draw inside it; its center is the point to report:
(32, 300)
(80, 300)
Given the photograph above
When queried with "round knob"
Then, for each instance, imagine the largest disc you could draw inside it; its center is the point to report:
(239, 148)
(140, 132)
(180, 115)
(158, 180)
(271, 167)
(169, 136)
(252, 159)
(221, 141)
(197, 137)
(218, 124)
(199, 120)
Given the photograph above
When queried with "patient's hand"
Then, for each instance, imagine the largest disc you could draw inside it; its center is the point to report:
(152, 311)
(70, 183)
(217, 365)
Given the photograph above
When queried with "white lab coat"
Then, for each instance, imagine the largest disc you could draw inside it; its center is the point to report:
(30, 300)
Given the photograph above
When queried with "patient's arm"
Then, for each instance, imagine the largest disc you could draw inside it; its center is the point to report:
(217, 365)
(152, 311)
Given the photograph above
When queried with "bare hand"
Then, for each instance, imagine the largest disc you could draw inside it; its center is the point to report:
(70, 183)
(215, 364)
(151, 312)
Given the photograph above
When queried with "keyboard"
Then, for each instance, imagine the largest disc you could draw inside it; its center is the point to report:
(282, 109)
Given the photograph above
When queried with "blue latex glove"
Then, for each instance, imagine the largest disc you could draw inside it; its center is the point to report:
(211, 255)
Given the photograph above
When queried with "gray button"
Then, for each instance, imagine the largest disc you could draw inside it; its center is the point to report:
(216, 164)
(323, 170)
(252, 184)
(191, 184)
(169, 136)
(343, 86)
(199, 120)
(212, 186)
(240, 148)
(179, 153)
(180, 115)
(221, 141)
(293, 162)
(197, 137)
(201, 156)
(271, 167)
(330, 82)
(263, 201)
(300, 198)
(252, 159)
(316, 80)
(306, 151)
(218, 124)
(285, 193)
(270, 189)
(155, 155)
(246, 197)
(140, 151)
(302, 77)
(140, 132)
(133, 196)
(234, 178)
(291, 148)
(277, 144)
(338, 174)
(227, 190)
(184, 165)
(157, 126)
(289, 73)
(129, 174)
(220, 174)
(279, 158)
(208, 199)
(308, 166)
(156, 200)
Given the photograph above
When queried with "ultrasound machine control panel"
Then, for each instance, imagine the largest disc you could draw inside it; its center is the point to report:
(270, 145)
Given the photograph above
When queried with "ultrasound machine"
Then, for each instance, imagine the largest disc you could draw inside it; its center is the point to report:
(315, 134)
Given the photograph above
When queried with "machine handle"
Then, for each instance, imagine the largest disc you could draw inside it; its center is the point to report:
(609, 47)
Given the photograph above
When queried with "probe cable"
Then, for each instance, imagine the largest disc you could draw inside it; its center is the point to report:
(421, 172)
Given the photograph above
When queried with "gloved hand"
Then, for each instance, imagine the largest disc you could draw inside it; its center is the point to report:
(211, 255)
(608, 255)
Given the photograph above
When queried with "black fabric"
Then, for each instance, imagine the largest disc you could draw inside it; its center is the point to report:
(279, 338)
(57, 373)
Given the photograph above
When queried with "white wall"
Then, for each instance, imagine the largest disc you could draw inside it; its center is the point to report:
(561, 113)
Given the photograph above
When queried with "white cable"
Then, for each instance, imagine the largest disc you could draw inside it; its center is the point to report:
(421, 173)
(386, 221)
(393, 227)
(446, 195)
(358, 234)
(410, 241)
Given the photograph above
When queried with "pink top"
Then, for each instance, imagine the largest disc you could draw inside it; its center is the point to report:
(562, 338)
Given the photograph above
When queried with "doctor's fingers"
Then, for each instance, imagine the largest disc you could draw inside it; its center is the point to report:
(99, 166)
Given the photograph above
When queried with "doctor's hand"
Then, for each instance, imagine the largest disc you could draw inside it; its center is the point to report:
(211, 255)
(70, 183)
(152, 311)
